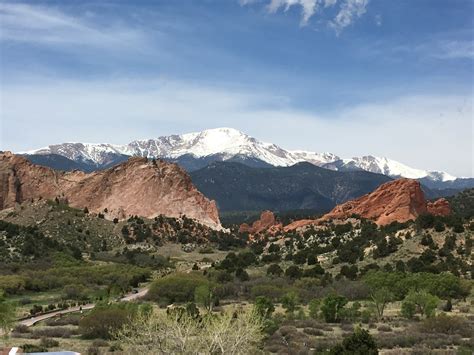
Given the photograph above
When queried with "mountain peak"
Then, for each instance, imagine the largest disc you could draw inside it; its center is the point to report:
(225, 143)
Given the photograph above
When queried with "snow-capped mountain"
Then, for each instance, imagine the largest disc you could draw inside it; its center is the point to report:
(225, 142)
(228, 144)
(387, 167)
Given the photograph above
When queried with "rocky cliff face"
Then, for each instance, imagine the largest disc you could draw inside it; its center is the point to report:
(135, 187)
(400, 200)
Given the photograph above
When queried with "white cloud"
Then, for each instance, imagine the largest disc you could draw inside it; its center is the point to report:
(349, 12)
(329, 3)
(427, 132)
(308, 7)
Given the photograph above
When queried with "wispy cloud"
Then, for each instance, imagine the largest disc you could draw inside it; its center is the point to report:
(308, 7)
(349, 10)
(455, 49)
(48, 26)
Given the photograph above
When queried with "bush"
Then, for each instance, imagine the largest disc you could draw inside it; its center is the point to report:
(64, 320)
(58, 332)
(270, 291)
(49, 343)
(175, 288)
(312, 331)
(274, 269)
(103, 320)
(444, 324)
(21, 329)
(332, 307)
(32, 348)
(419, 301)
(384, 328)
(359, 343)
(100, 343)
(293, 272)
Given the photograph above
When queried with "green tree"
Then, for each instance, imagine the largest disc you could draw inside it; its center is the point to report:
(241, 274)
(290, 302)
(314, 306)
(381, 297)
(332, 307)
(264, 307)
(7, 315)
(294, 272)
(204, 296)
(419, 302)
(274, 269)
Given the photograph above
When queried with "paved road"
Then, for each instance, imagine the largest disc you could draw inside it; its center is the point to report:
(133, 296)
(33, 320)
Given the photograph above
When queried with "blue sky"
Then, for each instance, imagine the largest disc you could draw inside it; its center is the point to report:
(353, 77)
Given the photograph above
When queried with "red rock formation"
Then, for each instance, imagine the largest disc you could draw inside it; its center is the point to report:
(267, 222)
(299, 224)
(400, 200)
(136, 187)
(439, 207)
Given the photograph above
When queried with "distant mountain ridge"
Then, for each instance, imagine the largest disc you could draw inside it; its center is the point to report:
(303, 186)
(194, 151)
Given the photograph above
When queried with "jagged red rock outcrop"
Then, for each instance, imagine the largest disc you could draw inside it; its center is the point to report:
(400, 200)
(136, 187)
(267, 222)
(440, 207)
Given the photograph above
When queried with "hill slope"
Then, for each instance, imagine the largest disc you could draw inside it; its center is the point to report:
(236, 187)
(136, 187)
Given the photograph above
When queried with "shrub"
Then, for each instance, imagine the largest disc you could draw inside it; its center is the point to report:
(103, 320)
(290, 302)
(312, 331)
(332, 306)
(57, 332)
(270, 291)
(293, 272)
(444, 324)
(359, 343)
(71, 319)
(32, 348)
(419, 301)
(384, 328)
(264, 307)
(100, 343)
(314, 306)
(49, 343)
(21, 329)
(274, 269)
(175, 288)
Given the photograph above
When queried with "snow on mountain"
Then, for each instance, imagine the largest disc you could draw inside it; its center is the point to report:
(227, 143)
(387, 167)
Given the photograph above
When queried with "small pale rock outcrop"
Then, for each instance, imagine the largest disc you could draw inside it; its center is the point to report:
(400, 200)
(135, 187)
(299, 224)
(267, 222)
